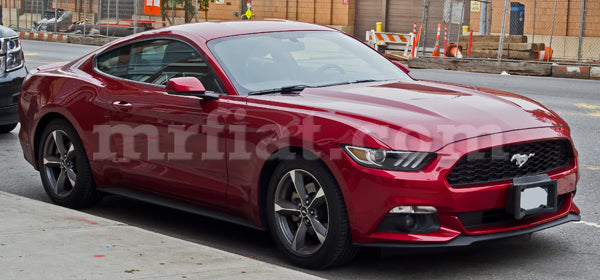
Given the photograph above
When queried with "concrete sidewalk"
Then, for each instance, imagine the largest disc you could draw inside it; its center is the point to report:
(44, 241)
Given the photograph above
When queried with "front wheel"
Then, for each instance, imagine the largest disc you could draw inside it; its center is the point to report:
(307, 216)
(64, 167)
(7, 128)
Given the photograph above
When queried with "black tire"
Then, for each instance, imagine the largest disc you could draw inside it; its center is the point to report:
(6, 128)
(65, 171)
(313, 233)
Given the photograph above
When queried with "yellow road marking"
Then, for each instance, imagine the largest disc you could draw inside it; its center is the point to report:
(587, 106)
(592, 167)
(32, 53)
(592, 109)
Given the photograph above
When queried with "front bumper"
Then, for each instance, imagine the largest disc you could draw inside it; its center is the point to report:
(370, 194)
(10, 88)
(466, 240)
(9, 115)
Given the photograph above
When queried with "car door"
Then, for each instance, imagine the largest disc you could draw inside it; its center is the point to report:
(165, 143)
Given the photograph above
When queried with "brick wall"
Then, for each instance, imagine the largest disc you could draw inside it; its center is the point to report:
(327, 12)
(567, 19)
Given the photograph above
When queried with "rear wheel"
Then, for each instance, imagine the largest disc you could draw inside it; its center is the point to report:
(7, 128)
(307, 215)
(64, 167)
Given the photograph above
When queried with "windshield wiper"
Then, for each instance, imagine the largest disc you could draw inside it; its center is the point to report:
(282, 90)
(347, 83)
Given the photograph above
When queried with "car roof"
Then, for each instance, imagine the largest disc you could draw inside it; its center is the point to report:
(212, 30)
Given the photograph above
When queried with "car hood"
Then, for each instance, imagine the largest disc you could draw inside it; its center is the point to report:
(7, 32)
(420, 115)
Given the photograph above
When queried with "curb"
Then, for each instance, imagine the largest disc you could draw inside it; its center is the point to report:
(595, 73)
(64, 38)
(44, 36)
(573, 72)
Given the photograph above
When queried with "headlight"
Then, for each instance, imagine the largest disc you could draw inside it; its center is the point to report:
(13, 59)
(389, 159)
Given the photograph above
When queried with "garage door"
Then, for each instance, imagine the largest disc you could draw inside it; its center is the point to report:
(399, 16)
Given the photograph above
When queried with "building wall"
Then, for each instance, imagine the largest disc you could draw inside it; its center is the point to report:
(567, 19)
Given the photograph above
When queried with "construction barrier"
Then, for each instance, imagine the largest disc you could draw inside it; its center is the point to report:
(375, 38)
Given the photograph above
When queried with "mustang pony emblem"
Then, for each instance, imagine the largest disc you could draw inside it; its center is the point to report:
(521, 159)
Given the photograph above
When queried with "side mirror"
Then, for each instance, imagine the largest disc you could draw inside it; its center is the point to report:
(189, 86)
(401, 66)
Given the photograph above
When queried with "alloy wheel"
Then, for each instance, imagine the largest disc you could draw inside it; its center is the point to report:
(60, 163)
(301, 212)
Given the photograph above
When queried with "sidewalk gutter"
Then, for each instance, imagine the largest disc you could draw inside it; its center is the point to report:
(44, 241)
(528, 68)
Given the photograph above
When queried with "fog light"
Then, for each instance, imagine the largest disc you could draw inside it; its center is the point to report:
(406, 222)
(410, 219)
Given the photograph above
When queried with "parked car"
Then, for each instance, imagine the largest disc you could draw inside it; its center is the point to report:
(300, 130)
(12, 73)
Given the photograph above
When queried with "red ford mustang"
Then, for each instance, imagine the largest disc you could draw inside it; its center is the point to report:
(301, 130)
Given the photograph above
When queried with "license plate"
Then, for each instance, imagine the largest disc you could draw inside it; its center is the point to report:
(532, 195)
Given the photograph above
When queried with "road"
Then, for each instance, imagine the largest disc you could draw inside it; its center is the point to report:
(571, 251)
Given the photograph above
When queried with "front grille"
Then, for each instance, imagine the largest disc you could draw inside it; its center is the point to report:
(499, 163)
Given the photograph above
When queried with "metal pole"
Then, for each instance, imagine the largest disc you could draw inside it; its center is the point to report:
(422, 21)
(552, 30)
(581, 27)
(84, 16)
(483, 18)
(462, 19)
(55, 15)
(533, 29)
(450, 17)
(107, 16)
(503, 29)
(30, 15)
(172, 13)
(489, 24)
(426, 13)
(9, 14)
(135, 17)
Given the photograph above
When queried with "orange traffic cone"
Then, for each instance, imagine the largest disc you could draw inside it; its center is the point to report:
(436, 50)
(454, 50)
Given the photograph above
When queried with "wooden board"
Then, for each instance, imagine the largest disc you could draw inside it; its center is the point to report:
(510, 54)
(495, 38)
(507, 46)
(482, 66)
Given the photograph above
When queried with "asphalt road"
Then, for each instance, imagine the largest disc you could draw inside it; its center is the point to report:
(570, 251)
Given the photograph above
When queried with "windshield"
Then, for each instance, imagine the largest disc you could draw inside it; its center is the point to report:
(266, 61)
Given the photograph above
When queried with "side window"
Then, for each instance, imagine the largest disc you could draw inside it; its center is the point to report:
(115, 62)
(156, 62)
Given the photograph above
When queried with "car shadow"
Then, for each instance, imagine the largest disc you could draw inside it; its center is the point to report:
(476, 261)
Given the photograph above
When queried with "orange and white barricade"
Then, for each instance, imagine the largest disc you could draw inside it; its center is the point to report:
(375, 38)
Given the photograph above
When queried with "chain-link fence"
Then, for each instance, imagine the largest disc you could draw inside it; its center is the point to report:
(94, 17)
(543, 30)
(570, 29)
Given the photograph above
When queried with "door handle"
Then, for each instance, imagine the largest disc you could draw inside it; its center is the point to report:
(123, 105)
